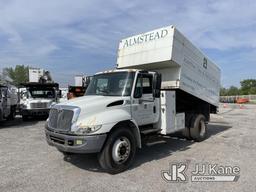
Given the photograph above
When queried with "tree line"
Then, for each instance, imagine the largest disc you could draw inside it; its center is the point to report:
(248, 87)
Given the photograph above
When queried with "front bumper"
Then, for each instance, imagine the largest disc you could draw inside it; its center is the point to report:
(75, 144)
(35, 112)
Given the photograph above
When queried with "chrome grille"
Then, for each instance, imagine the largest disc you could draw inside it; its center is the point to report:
(38, 105)
(61, 119)
(53, 118)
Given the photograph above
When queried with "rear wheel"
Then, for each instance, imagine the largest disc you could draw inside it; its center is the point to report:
(119, 151)
(186, 131)
(198, 130)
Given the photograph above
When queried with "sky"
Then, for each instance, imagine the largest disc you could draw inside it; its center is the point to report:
(73, 37)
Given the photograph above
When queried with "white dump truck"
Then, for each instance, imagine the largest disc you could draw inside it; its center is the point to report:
(162, 84)
(38, 95)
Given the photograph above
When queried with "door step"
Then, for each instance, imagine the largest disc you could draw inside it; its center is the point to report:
(148, 131)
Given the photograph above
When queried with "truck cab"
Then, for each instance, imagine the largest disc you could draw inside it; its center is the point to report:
(129, 99)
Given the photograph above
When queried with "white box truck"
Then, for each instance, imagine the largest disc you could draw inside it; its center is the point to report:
(162, 84)
(38, 95)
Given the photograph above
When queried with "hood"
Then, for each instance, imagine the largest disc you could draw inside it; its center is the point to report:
(92, 104)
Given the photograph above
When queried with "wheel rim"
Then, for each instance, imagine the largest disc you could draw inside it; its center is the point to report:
(121, 150)
(202, 128)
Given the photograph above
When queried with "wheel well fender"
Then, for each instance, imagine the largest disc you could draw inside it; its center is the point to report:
(131, 124)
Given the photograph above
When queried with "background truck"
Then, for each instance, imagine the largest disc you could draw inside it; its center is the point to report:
(81, 84)
(37, 96)
(162, 84)
(8, 98)
(8, 102)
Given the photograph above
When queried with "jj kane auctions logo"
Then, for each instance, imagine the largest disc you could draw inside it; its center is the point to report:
(201, 173)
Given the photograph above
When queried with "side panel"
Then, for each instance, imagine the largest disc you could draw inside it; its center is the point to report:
(199, 76)
(168, 110)
(170, 121)
(146, 48)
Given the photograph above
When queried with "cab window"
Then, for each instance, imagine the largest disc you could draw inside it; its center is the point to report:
(144, 85)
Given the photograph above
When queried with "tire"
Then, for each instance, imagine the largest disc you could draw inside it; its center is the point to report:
(186, 133)
(198, 131)
(119, 151)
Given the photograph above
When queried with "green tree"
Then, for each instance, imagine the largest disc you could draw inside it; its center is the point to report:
(19, 74)
(233, 91)
(223, 91)
(248, 86)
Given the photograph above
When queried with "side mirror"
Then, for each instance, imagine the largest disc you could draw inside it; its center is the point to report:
(157, 80)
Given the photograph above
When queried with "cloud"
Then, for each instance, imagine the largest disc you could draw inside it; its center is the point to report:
(82, 36)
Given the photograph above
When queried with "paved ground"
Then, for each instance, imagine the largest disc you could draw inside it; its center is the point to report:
(27, 163)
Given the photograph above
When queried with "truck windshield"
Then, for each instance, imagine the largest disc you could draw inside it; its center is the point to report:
(111, 84)
(41, 93)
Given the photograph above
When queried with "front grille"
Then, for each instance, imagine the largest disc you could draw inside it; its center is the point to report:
(38, 105)
(61, 119)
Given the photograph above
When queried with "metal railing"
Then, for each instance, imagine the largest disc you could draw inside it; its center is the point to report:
(233, 99)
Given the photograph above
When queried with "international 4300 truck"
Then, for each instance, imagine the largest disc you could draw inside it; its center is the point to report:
(162, 84)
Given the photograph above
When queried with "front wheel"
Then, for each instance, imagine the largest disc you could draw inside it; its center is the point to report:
(119, 151)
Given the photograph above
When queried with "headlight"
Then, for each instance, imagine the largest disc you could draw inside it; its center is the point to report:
(81, 130)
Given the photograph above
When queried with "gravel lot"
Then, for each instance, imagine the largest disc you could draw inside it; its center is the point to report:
(27, 163)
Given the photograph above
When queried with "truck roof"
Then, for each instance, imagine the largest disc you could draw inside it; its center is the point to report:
(117, 70)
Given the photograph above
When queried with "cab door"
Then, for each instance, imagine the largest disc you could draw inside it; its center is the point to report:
(144, 105)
